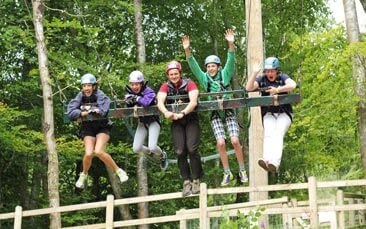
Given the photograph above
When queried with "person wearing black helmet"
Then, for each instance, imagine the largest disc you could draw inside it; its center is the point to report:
(217, 79)
(276, 119)
(91, 101)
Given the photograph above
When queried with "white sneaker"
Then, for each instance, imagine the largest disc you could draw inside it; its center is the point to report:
(82, 182)
(122, 175)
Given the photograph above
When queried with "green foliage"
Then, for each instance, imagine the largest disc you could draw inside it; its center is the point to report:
(98, 37)
(250, 220)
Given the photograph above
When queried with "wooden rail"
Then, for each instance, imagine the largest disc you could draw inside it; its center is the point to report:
(205, 212)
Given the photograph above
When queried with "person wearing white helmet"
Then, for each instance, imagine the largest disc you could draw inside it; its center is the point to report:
(92, 102)
(185, 129)
(217, 79)
(138, 94)
(276, 119)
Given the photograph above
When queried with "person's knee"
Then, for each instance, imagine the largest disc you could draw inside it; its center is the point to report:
(88, 156)
(137, 149)
(220, 143)
(154, 148)
(100, 153)
(180, 152)
(235, 142)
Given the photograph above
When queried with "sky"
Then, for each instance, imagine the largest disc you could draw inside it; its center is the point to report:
(336, 7)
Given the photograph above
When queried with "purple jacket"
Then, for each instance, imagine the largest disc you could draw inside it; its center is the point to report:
(102, 102)
(146, 97)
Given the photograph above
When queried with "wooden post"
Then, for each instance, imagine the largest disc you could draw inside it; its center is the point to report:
(286, 218)
(109, 212)
(313, 204)
(340, 214)
(361, 213)
(257, 176)
(204, 222)
(351, 214)
(294, 221)
(182, 222)
(18, 217)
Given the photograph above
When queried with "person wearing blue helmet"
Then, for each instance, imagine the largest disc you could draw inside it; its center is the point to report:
(276, 119)
(218, 79)
(92, 102)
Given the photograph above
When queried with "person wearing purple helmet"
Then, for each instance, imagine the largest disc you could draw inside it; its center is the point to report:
(139, 94)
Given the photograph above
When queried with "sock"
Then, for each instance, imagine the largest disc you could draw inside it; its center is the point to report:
(227, 170)
(242, 168)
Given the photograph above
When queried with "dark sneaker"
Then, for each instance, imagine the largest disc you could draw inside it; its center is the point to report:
(164, 161)
(243, 177)
(262, 163)
(196, 186)
(187, 188)
(227, 178)
(272, 168)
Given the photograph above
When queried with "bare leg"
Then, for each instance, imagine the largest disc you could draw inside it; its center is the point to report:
(100, 145)
(89, 143)
(238, 150)
(220, 145)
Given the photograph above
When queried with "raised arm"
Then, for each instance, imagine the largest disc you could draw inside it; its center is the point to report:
(251, 83)
(229, 36)
(186, 45)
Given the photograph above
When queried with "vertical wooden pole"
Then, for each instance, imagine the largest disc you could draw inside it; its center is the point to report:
(351, 214)
(18, 217)
(204, 222)
(182, 222)
(109, 212)
(340, 214)
(255, 50)
(294, 221)
(286, 218)
(361, 212)
(313, 204)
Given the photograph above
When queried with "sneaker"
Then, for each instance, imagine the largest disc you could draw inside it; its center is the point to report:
(243, 177)
(272, 168)
(196, 186)
(164, 161)
(262, 163)
(187, 188)
(227, 178)
(82, 182)
(122, 175)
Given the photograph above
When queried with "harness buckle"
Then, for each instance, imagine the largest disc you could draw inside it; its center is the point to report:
(276, 101)
(220, 102)
(135, 115)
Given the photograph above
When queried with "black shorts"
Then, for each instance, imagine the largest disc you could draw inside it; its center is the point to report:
(95, 127)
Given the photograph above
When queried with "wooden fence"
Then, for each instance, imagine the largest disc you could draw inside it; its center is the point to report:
(205, 212)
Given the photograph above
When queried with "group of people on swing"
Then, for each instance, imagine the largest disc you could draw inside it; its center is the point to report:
(185, 129)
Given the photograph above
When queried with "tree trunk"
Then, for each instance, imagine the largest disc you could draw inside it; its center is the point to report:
(117, 190)
(358, 73)
(48, 121)
(142, 182)
(140, 41)
(363, 3)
